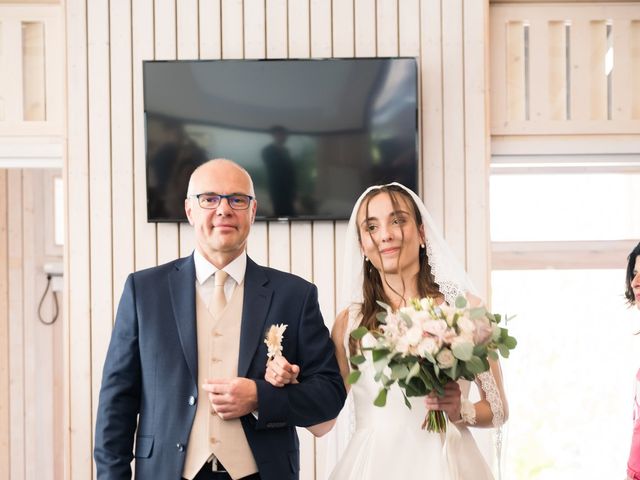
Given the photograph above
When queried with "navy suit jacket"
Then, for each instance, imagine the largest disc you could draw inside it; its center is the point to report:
(149, 384)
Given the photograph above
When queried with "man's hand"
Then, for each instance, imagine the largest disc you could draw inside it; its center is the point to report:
(280, 372)
(232, 397)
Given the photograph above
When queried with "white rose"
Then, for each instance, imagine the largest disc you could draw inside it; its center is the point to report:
(445, 358)
(436, 327)
(402, 346)
(414, 335)
(466, 325)
(429, 345)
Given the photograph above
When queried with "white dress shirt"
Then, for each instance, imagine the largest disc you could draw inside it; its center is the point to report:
(205, 272)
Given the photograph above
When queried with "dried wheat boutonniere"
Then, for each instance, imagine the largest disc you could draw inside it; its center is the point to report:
(273, 340)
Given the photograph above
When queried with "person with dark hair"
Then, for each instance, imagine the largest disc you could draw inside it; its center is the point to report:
(394, 253)
(632, 294)
(184, 373)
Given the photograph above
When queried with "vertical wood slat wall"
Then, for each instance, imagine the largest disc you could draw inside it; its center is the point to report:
(108, 235)
(31, 427)
(559, 85)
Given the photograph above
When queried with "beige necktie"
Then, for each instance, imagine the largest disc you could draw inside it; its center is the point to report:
(218, 300)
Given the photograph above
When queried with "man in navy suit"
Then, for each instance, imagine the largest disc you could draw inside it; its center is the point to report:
(187, 381)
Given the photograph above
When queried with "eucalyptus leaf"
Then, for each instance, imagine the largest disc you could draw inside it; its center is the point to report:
(504, 350)
(497, 332)
(480, 350)
(381, 399)
(461, 302)
(463, 351)
(381, 317)
(453, 371)
(510, 343)
(429, 357)
(406, 400)
(379, 354)
(399, 371)
(407, 319)
(383, 305)
(357, 359)
(475, 365)
(359, 332)
(477, 312)
(353, 377)
(413, 371)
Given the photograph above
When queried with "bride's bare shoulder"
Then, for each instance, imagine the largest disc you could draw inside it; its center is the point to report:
(340, 325)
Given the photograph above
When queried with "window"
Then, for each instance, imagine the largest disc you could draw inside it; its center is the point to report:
(561, 230)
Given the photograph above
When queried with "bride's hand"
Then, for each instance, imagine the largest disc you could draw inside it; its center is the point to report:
(280, 372)
(449, 403)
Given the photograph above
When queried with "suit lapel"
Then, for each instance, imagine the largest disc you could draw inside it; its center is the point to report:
(182, 289)
(257, 297)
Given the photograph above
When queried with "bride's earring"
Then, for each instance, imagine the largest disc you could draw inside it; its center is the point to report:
(423, 246)
(366, 259)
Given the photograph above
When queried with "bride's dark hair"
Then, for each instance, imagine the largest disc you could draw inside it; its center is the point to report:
(372, 286)
(631, 265)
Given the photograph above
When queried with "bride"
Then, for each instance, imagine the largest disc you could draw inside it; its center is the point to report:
(393, 253)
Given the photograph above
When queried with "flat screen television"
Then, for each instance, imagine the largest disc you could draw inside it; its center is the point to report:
(313, 134)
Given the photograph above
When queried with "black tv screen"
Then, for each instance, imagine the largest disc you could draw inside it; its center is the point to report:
(313, 134)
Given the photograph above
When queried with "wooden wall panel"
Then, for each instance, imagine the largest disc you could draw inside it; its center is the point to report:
(365, 28)
(166, 48)
(387, 28)
(476, 144)
(210, 30)
(77, 249)
(31, 433)
(275, 22)
(453, 112)
(16, 326)
(320, 26)
(31, 344)
(100, 191)
(121, 105)
(232, 28)
(299, 34)
(343, 28)
(553, 75)
(142, 13)
(431, 105)
(5, 412)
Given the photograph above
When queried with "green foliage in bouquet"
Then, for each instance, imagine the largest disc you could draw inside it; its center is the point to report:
(425, 345)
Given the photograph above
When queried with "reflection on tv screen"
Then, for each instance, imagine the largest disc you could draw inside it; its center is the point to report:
(313, 134)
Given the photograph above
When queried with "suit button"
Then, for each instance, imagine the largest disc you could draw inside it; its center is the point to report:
(192, 400)
(180, 447)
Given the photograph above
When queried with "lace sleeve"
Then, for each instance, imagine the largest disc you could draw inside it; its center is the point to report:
(492, 394)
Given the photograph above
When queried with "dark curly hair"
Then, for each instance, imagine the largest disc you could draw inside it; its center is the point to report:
(631, 265)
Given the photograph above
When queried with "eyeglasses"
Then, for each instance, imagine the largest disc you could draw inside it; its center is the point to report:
(210, 201)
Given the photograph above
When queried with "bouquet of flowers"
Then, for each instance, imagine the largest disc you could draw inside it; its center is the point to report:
(425, 345)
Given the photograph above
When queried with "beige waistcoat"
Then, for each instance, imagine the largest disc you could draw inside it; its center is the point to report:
(218, 350)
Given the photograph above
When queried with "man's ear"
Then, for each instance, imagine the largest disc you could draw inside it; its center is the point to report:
(254, 209)
(187, 210)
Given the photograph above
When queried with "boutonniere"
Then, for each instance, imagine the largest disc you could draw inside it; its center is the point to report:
(273, 340)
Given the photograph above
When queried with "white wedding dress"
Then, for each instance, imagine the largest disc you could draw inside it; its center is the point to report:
(389, 443)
